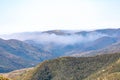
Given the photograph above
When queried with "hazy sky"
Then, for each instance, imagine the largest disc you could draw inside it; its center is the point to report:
(39, 15)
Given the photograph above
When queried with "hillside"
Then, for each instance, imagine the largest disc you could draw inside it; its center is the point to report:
(16, 74)
(15, 54)
(36, 47)
(111, 72)
(3, 78)
(57, 43)
(71, 68)
(114, 48)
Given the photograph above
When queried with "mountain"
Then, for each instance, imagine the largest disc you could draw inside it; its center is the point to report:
(68, 42)
(75, 68)
(64, 42)
(15, 54)
(101, 43)
(114, 48)
(58, 32)
(96, 53)
(110, 32)
(30, 48)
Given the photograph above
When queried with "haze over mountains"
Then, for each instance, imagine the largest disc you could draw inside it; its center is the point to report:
(16, 54)
(36, 47)
(88, 48)
(63, 42)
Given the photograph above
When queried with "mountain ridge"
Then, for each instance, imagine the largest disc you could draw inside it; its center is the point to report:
(15, 54)
(40, 46)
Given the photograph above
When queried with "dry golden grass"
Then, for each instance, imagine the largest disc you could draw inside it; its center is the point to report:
(15, 75)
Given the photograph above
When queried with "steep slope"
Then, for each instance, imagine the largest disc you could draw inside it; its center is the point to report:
(111, 72)
(70, 68)
(16, 54)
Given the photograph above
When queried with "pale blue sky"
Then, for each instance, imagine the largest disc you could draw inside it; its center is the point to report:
(40, 15)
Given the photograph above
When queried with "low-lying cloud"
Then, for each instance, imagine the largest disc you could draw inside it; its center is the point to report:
(46, 38)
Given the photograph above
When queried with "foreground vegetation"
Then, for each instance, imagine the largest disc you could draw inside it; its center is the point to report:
(72, 68)
(3, 78)
(101, 67)
(111, 72)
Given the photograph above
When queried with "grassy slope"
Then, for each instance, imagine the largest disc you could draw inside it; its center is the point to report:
(71, 68)
(111, 72)
(16, 75)
(3, 78)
